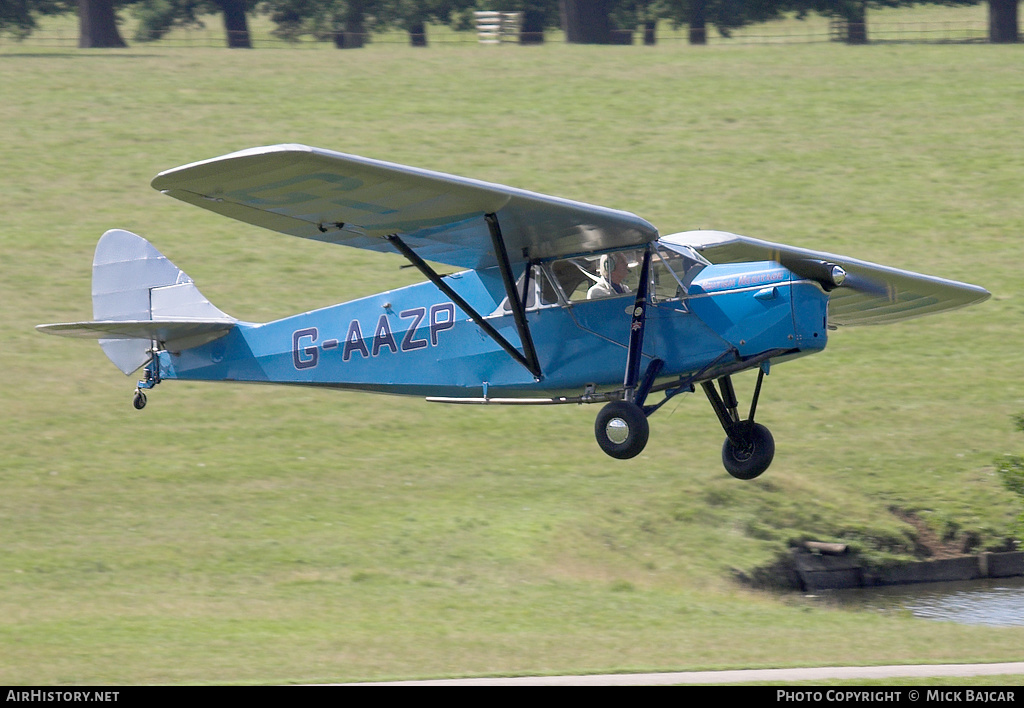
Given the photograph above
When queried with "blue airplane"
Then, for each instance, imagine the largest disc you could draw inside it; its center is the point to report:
(555, 302)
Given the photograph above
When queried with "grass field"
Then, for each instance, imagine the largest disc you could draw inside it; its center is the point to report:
(234, 534)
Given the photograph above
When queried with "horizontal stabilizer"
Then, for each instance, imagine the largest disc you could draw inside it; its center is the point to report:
(173, 335)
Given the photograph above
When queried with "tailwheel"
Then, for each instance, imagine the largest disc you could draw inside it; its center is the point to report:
(151, 377)
(749, 459)
(621, 429)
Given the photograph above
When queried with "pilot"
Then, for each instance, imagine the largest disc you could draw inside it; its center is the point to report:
(613, 269)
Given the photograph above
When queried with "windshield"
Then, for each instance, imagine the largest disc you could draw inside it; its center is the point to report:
(673, 268)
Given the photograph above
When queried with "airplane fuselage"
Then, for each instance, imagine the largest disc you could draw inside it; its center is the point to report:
(415, 341)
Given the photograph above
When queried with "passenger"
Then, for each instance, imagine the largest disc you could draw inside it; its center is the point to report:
(613, 269)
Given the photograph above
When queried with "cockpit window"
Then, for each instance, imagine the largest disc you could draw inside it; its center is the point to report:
(539, 286)
(597, 276)
(673, 268)
(605, 275)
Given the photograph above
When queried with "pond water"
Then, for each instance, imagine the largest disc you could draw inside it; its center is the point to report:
(997, 603)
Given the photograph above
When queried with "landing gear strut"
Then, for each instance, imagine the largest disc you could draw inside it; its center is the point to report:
(621, 427)
(151, 377)
(749, 447)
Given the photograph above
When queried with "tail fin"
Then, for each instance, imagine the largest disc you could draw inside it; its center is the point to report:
(139, 298)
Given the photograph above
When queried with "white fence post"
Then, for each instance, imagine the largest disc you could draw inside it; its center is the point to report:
(497, 27)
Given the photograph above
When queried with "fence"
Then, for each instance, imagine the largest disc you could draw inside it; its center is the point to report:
(791, 32)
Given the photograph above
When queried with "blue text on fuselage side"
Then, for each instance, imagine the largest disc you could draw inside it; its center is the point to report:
(440, 317)
(743, 280)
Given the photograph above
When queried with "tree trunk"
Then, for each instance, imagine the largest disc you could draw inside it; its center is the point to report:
(532, 29)
(350, 38)
(586, 21)
(650, 36)
(620, 36)
(354, 34)
(418, 33)
(857, 24)
(699, 22)
(1003, 27)
(97, 25)
(236, 26)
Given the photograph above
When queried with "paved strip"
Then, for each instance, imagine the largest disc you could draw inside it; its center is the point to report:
(739, 676)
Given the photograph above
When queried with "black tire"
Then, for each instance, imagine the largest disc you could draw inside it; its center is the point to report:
(750, 460)
(621, 429)
(139, 400)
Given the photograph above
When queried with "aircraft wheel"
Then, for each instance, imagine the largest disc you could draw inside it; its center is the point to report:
(139, 400)
(750, 460)
(621, 429)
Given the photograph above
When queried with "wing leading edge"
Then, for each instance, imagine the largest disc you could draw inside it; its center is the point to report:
(876, 294)
(337, 198)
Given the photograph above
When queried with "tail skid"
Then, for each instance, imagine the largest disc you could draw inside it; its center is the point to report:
(142, 302)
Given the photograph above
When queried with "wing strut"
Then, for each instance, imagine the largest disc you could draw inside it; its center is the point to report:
(515, 301)
(636, 340)
(436, 279)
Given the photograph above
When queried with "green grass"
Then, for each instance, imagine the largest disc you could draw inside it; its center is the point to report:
(259, 534)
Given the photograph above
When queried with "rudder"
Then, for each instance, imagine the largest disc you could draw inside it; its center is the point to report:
(133, 281)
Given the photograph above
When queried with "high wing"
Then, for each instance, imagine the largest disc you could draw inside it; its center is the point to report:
(337, 198)
(872, 293)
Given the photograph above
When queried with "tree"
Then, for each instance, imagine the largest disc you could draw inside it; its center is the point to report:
(1003, 26)
(586, 21)
(97, 20)
(724, 15)
(693, 13)
(538, 15)
(18, 17)
(351, 34)
(157, 17)
(236, 25)
(414, 15)
(852, 15)
(97, 25)
(347, 23)
(630, 14)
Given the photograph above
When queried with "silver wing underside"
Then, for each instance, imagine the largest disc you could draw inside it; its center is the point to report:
(873, 294)
(345, 199)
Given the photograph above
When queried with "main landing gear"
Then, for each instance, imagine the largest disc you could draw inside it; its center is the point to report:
(622, 430)
(621, 427)
(749, 447)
